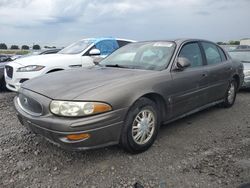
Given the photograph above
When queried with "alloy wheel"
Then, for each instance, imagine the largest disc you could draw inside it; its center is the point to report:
(143, 127)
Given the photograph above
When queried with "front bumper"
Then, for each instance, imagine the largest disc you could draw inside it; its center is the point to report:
(18, 78)
(12, 86)
(104, 129)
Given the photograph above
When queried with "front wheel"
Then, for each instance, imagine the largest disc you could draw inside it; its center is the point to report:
(230, 95)
(141, 126)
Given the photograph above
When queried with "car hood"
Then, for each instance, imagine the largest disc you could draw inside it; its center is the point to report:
(69, 84)
(246, 66)
(44, 60)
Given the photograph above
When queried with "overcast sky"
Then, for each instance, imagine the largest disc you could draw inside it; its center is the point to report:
(61, 22)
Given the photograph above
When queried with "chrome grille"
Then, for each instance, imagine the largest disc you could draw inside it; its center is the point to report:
(30, 105)
(9, 71)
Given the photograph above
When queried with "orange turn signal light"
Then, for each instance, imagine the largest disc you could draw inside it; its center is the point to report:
(75, 137)
(99, 107)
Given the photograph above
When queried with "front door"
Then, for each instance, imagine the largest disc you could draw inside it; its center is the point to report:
(190, 84)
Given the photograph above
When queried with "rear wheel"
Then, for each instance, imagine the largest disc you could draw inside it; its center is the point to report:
(141, 126)
(230, 95)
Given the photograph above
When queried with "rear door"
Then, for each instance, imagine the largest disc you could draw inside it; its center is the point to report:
(190, 84)
(219, 71)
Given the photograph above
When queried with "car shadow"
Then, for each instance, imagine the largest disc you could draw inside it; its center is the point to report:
(5, 90)
(245, 90)
(185, 121)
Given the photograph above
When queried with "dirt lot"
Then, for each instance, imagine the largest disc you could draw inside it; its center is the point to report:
(208, 149)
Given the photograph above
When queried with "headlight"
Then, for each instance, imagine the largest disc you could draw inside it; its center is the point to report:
(78, 109)
(30, 68)
(247, 72)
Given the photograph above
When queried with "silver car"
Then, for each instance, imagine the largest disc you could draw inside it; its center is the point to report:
(126, 98)
(4, 59)
(243, 55)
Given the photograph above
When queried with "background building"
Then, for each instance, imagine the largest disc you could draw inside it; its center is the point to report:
(245, 41)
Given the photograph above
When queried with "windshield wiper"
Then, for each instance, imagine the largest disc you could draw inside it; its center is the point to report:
(116, 65)
(245, 61)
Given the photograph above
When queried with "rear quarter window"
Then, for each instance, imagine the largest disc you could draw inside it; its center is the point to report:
(122, 43)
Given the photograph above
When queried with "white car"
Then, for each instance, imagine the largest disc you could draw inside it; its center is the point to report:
(79, 54)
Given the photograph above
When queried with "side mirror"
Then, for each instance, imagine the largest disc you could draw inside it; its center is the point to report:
(182, 63)
(94, 52)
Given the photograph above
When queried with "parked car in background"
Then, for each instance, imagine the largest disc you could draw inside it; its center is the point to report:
(43, 52)
(242, 47)
(228, 47)
(2, 80)
(243, 55)
(49, 51)
(3, 60)
(14, 57)
(35, 52)
(129, 94)
(79, 54)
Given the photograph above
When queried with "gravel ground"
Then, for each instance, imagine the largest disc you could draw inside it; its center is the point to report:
(208, 149)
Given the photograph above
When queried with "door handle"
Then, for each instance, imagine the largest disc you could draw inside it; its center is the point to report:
(204, 75)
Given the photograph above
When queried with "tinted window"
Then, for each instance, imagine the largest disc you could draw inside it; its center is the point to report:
(192, 52)
(122, 43)
(107, 46)
(212, 53)
(222, 54)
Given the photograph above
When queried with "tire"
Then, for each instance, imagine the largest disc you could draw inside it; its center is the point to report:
(2, 84)
(230, 94)
(142, 121)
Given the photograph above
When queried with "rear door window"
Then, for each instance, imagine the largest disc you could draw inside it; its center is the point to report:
(212, 53)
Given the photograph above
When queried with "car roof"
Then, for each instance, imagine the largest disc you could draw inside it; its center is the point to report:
(181, 40)
(178, 41)
(240, 50)
(98, 39)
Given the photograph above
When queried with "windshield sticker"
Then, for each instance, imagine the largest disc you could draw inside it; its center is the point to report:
(163, 44)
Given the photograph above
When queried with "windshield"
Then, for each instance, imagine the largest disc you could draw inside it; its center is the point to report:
(146, 55)
(243, 56)
(76, 48)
